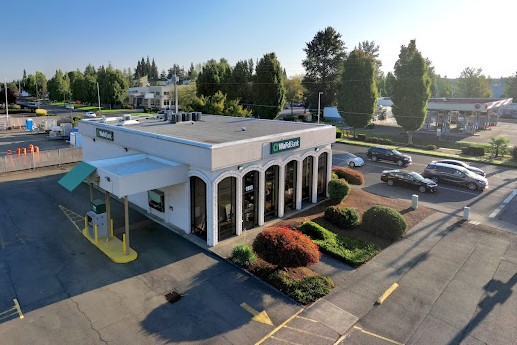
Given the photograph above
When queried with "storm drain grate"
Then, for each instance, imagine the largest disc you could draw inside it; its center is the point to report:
(173, 297)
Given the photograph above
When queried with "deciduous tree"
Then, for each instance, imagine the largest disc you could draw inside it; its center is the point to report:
(357, 97)
(411, 89)
(268, 87)
(473, 84)
(510, 88)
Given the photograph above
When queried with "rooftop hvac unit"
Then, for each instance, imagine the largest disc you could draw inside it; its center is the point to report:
(188, 117)
(196, 116)
(179, 118)
(171, 117)
(127, 117)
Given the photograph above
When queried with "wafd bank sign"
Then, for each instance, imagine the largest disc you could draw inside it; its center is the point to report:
(284, 145)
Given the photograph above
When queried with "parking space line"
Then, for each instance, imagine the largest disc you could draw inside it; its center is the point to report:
(307, 319)
(17, 306)
(71, 215)
(377, 336)
(15, 309)
(313, 334)
(505, 202)
(284, 341)
(270, 334)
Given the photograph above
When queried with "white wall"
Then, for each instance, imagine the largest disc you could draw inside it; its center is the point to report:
(176, 198)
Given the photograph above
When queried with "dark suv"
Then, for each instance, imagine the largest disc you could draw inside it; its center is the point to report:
(376, 153)
(455, 175)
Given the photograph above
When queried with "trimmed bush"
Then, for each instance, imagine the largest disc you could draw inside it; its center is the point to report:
(338, 189)
(349, 175)
(305, 291)
(333, 176)
(385, 141)
(344, 217)
(361, 137)
(348, 250)
(385, 222)
(475, 150)
(430, 147)
(339, 133)
(514, 153)
(243, 255)
(286, 247)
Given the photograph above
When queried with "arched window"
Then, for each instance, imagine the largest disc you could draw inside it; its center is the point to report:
(250, 198)
(290, 185)
(322, 175)
(271, 192)
(307, 179)
(226, 207)
(198, 207)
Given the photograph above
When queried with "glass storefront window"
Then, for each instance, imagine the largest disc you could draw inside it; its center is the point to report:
(307, 179)
(271, 193)
(226, 208)
(198, 207)
(250, 188)
(322, 175)
(290, 185)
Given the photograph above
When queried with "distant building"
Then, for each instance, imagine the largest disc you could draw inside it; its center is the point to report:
(160, 96)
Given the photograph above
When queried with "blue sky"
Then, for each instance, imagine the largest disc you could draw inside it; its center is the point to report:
(65, 34)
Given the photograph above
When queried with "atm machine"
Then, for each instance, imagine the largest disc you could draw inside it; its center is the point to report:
(97, 216)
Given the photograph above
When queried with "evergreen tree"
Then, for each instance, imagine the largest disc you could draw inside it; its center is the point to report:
(357, 97)
(192, 73)
(240, 85)
(473, 84)
(268, 87)
(411, 89)
(325, 54)
(213, 77)
(388, 84)
(510, 88)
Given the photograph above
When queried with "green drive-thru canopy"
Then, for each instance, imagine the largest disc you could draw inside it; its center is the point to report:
(75, 176)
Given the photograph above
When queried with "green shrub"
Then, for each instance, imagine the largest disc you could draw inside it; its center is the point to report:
(514, 153)
(348, 250)
(344, 217)
(289, 118)
(338, 190)
(361, 137)
(286, 247)
(339, 133)
(473, 150)
(374, 140)
(243, 255)
(333, 176)
(385, 222)
(430, 147)
(349, 175)
(305, 291)
(385, 141)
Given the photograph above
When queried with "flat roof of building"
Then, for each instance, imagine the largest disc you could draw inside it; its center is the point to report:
(212, 129)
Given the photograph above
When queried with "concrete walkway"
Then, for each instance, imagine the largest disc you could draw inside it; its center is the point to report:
(455, 286)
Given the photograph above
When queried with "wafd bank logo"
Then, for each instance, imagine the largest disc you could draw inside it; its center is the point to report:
(284, 145)
(104, 134)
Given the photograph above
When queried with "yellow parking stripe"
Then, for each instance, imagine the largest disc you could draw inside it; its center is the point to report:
(12, 311)
(279, 327)
(17, 306)
(377, 336)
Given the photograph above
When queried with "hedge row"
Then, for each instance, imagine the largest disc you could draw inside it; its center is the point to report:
(350, 175)
(348, 250)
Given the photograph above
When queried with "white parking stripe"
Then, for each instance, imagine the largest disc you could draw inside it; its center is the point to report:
(505, 202)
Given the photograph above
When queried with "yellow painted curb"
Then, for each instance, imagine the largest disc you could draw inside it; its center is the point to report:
(112, 248)
(386, 293)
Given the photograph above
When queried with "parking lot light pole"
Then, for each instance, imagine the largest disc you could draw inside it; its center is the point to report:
(6, 103)
(99, 96)
(319, 104)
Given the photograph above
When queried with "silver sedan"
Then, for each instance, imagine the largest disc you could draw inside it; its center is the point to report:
(349, 159)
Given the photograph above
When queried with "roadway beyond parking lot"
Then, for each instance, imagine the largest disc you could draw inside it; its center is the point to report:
(70, 293)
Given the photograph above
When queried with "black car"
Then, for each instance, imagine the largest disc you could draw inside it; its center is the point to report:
(376, 153)
(461, 164)
(454, 174)
(409, 179)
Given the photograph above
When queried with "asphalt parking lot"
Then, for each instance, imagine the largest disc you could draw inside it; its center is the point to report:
(70, 293)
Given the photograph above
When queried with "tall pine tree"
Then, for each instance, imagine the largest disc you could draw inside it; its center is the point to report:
(268, 87)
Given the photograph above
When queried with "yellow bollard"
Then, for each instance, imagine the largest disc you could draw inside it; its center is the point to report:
(124, 248)
(85, 223)
(96, 233)
(111, 227)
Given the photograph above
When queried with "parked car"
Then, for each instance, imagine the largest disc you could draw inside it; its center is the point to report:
(351, 160)
(409, 179)
(69, 106)
(376, 153)
(461, 164)
(90, 114)
(454, 174)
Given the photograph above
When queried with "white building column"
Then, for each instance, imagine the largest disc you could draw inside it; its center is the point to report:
(329, 171)
(298, 184)
(211, 214)
(281, 190)
(188, 204)
(261, 197)
(238, 206)
(315, 161)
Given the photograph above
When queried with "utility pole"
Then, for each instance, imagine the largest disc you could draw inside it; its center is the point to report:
(319, 105)
(6, 103)
(99, 96)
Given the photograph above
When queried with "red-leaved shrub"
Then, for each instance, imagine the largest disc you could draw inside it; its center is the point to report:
(350, 175)
(286, 247)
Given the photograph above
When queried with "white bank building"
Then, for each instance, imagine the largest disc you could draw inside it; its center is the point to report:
(208, 175)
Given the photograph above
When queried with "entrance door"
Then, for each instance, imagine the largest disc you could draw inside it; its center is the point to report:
(271, 193)
(198, 207)
(250, 189)
(290, 185)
